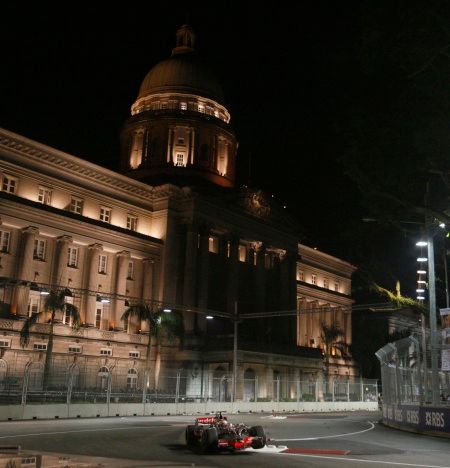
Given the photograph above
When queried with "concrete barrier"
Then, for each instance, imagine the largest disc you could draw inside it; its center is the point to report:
(100, 410)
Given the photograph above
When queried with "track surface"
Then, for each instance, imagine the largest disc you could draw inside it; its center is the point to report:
(335, 440)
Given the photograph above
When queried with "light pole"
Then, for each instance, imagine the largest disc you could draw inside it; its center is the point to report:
(433, 321)
(235, 348)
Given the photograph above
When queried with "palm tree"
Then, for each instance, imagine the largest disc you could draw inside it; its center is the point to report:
(159, 323)
(54, 302)
(329, 335)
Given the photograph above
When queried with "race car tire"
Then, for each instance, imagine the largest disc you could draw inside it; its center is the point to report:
(190, 439)
(209, 440)
(258, 431)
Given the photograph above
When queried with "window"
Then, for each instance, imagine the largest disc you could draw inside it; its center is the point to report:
(9, 184)
(300, 275)
(4, 241)
(66, 317)
(106, 352)
(39, 249)
(6, 343)
(44, 195)
(164, 105)
(72, 257)
(98, 317)
(105, 214)
(336, 286)
(102, 263)
(40, 346)
(213, 244)
(132, 378)
(180, 159)
(180, 141)
(183, 106)
(130, 271)
(132, 222)
(313, 279)
(33, 304)
(242, 253)
(134, 354)
(268, 260)
(216, 114)
(325, 283)
(201, 108)
(76, 205)
(75, 349)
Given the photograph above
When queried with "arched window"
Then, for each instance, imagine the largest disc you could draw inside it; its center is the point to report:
(220, 384)
(132, 379)
(103, 374)
(36, 376)
(73, 375)
(250, 384)
(136, 149)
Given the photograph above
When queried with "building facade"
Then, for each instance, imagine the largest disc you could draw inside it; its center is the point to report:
(170, 230)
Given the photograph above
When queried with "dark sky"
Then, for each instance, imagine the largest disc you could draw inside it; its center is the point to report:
(69, 78)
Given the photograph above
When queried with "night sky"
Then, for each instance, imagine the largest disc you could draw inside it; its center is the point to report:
(69, 78)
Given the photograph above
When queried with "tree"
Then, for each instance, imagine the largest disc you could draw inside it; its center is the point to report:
(329, 335)
(54, 302)
(159, 323)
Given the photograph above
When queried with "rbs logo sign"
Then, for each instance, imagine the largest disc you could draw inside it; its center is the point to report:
(434, 419)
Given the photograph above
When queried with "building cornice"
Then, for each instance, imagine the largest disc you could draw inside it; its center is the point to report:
(69, 165)
(324, 261)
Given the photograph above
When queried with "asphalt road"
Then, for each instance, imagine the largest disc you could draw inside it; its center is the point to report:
(335, 440)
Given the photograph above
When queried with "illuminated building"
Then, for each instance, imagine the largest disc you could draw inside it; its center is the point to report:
(169, 229)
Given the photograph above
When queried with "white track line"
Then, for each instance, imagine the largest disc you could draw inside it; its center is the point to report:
(362, 460)
(327, 437)
(82, 430)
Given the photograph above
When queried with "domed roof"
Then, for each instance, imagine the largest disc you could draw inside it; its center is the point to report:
(183, 72)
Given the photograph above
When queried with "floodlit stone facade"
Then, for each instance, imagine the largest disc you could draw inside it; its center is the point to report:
(170, 231)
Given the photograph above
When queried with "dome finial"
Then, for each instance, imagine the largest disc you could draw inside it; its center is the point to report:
(185, 40)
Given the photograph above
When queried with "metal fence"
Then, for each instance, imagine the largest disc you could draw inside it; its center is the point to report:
(408, 375)
(91, 384)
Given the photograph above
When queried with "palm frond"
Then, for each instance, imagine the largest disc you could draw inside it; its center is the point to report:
(402, 302)
(25, 332)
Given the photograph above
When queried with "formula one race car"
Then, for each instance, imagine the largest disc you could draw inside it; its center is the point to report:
(216, 433)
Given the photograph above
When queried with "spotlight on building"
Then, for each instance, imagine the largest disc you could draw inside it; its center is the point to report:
(44, 292)
(167, 311)
(422, 259)
(209, 317)
(421, 243)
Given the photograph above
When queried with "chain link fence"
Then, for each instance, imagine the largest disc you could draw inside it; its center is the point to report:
(94, 384)
(407, 372)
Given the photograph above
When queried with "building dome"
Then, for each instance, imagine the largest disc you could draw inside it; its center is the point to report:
(183, 72)
(179, 128)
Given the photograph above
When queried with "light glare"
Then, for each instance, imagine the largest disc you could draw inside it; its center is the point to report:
(421, 243)
(422, 259)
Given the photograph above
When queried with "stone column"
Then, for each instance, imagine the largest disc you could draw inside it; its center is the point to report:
(284, 278)
(233, 274)
(147, 287)
(122, 259)
(347, 326)
(24, 271)
(269, 382)
(203, 280)
(62, 248)
(190, 274)
(301, 323)
(92, 284)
